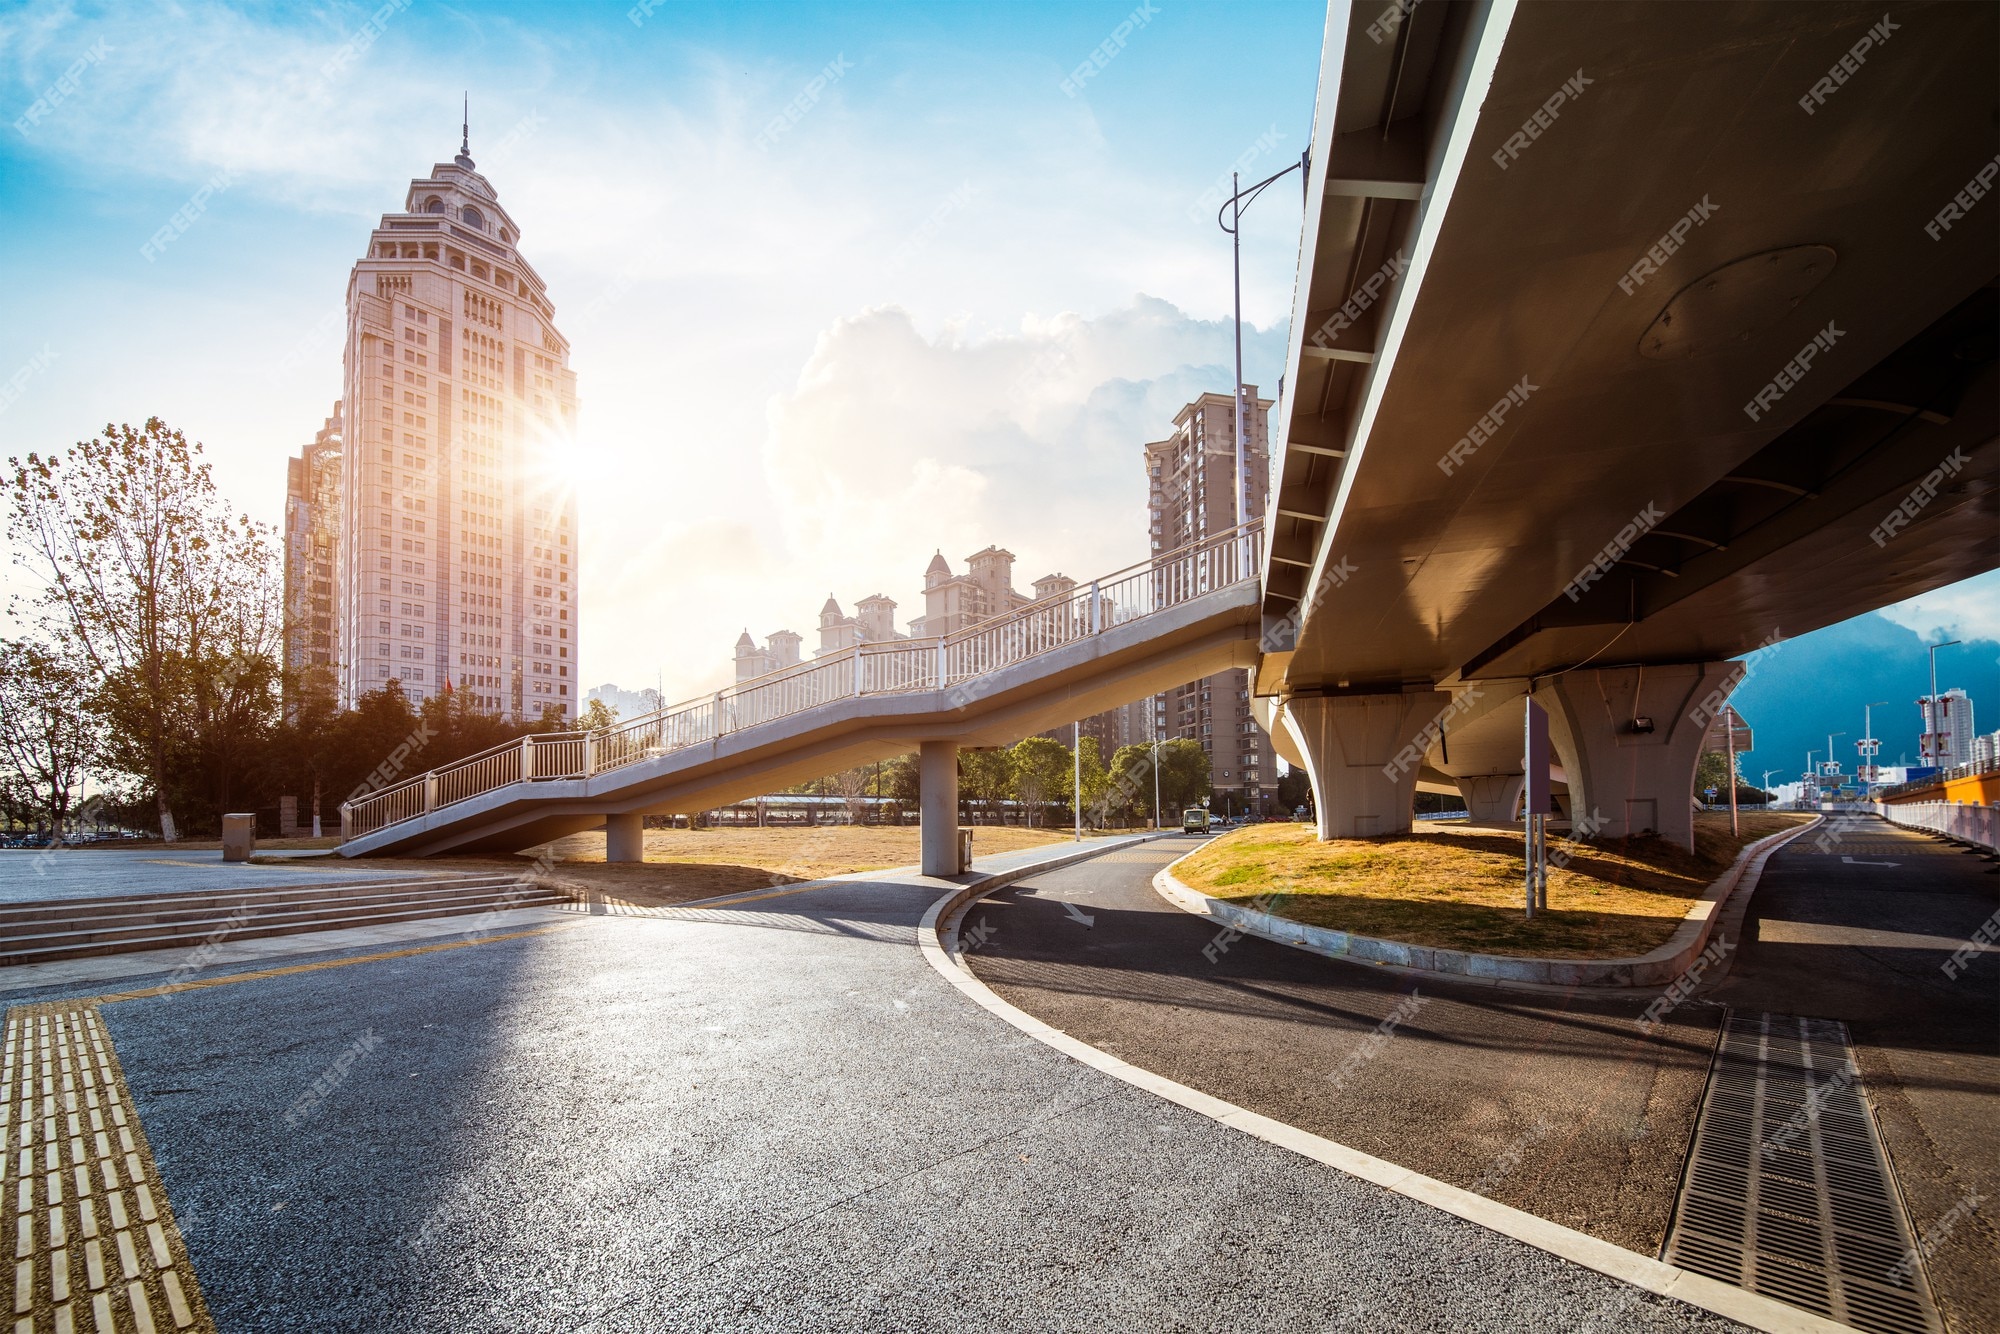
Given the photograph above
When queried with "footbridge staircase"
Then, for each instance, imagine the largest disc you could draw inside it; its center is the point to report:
(1176, 616)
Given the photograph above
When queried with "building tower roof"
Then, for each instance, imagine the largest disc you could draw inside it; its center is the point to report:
(744, 641)
(464, 158)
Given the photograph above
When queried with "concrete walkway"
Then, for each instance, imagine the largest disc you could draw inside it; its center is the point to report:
(1860, 922)
(774, 1115)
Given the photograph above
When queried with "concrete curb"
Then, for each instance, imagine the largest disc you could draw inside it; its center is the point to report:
(1656, 968)
(937, 936)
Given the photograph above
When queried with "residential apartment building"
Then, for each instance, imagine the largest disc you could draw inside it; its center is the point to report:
(312, 541)
(458, 546)
(1191, 494)
(1949, 736)
(952, 602)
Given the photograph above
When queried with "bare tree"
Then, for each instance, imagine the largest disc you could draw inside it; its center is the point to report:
(853, 786)
(48, 734)
(166, 594)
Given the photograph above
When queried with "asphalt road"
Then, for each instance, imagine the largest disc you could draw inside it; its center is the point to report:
(1858, 922)
(775, 1116)
(1555, 1105)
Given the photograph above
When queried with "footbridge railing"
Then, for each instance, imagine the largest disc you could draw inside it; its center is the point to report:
(953, 663)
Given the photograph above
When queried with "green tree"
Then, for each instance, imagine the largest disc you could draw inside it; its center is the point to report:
(597, 716)
(986, 776)
(48, 734)
(1128, 793)
(1184, 775)
(1088, 763)
(306, 746)
(1295, 790)
(159, 586)
(1041, 773)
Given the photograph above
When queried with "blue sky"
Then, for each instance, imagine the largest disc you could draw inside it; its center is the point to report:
(944, 307)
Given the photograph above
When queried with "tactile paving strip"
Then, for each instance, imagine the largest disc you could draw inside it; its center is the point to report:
(1787, 1191)
(96, 1249)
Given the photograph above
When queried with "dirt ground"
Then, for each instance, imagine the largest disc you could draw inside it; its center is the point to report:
(686, 864)
(1460, 887)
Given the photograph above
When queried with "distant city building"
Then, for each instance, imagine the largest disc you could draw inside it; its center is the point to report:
(952, 602)
(458, 545)
(312, 542)
(1986, 749)
(1949, 732)
(1191, 478)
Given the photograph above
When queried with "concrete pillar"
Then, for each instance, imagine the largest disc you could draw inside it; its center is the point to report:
(1363, 753)
(1492, 798)
(937, 779)
(1629, 739)
(625, 838)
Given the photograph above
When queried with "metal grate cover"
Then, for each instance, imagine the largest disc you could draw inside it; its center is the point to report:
(1787, 1191)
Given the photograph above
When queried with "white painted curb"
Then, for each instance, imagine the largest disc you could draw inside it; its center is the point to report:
(937, 936)
(1656, 968)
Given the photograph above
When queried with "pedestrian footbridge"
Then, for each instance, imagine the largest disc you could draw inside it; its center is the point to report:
(1174, 617)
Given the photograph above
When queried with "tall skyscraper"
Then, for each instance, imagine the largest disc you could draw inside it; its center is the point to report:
(312, 541)
(458, 534)
(1949, 732)
(1191, 478)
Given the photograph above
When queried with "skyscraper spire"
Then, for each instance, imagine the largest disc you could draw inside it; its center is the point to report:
(464, 158)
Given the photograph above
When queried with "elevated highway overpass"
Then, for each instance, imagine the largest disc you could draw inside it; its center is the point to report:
(1627, 339)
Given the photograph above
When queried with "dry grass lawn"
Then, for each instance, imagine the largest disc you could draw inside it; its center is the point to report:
(1461, 888)
(686, 864)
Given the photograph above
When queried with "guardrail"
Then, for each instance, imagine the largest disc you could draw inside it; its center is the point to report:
(1940, 778)
(1958, 820)
(952, 663)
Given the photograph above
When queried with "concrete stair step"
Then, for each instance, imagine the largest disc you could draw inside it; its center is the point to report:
(68, 946)
(194, 924)
(63, 910)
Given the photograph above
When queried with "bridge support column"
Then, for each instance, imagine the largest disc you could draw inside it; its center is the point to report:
(937, 777)
(1630, 738)
(1363, 753)
(1492, 798)
(625, 838)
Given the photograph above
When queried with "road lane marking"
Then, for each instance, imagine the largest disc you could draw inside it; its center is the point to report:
(96, 1242)
(936, 937)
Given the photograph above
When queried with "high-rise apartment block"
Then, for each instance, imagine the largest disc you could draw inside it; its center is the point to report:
(952, 602)
(457, 546)
(1191, 477)
(1949, 732)
(312, 542)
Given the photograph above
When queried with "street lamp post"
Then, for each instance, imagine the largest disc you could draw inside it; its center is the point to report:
(1766, 785)
(1239, 200)
(1932, 734)
(1868, 747)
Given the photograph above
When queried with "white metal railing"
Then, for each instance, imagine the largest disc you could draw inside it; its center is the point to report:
(901, 667)
(1961, 820)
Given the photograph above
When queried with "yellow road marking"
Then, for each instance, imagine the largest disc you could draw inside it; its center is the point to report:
(78, 1178)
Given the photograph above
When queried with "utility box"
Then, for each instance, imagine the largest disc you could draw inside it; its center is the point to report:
(964, 848)
(239, 837)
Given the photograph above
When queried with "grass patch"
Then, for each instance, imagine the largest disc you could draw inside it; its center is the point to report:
(1461, 888)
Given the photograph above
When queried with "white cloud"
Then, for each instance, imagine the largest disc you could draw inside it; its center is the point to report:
(892, 444)
(1969, 609)
(800, 369)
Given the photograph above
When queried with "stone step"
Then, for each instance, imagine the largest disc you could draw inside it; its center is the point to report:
(87, 942)
(224, 900)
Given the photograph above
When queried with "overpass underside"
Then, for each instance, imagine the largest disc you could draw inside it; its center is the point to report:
(1627, 342)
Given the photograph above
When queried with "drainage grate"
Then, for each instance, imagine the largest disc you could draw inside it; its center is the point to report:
(1787, 1191)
